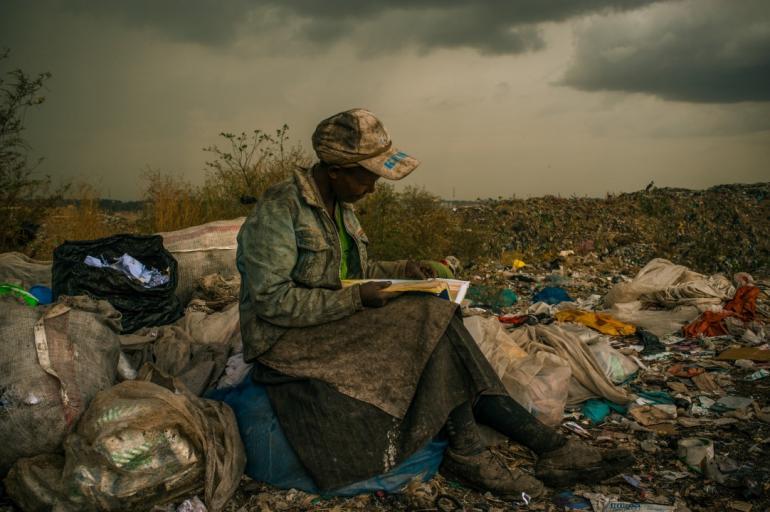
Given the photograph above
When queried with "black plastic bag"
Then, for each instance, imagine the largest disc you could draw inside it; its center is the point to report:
(140, 306)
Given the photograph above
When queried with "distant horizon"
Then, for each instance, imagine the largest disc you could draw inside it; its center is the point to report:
(504, 198)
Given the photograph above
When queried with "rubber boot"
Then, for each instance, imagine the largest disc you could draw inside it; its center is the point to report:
(561, 462)
(486, 471)
(469, 462)
(508, 417)
(578, 462)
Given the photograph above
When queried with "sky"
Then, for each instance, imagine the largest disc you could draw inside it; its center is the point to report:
(524, 98)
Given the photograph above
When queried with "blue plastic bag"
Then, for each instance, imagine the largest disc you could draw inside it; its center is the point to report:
(552, 295)
(271, 459)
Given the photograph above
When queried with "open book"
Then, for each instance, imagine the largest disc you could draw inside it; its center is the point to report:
(451, 289)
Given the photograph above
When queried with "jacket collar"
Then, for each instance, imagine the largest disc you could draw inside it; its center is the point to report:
(303, 177)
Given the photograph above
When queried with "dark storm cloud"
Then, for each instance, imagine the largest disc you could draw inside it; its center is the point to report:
(489, 26)
(705, 51)
(201, 21)
(512, 13)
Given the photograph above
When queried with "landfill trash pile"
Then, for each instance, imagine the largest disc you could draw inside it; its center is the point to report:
(697, 411)
(653, 356)
(721, 229)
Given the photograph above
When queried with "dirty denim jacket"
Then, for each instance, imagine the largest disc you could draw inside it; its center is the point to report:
(289, 258)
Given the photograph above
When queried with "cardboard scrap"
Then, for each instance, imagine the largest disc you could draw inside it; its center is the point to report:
(650, 415)
(692, 422)
(676, 386)
(741, 506)
(705, 382)
(752, 354)
(763, 414)
(664, 429)
(741, 414)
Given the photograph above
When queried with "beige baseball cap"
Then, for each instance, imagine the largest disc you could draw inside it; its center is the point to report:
(357, 137)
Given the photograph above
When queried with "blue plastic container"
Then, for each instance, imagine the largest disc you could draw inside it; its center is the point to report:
(43, 294)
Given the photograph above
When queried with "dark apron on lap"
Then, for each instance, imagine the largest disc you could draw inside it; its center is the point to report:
(357, 396)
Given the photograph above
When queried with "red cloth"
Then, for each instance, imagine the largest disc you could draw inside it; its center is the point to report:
(744, 304)
(512, 319)
(711, 323)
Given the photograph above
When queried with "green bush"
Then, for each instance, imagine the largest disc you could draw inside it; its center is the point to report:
(415, 224)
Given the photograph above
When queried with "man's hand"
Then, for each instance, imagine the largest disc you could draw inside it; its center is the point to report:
(417, 270)
(372, 295)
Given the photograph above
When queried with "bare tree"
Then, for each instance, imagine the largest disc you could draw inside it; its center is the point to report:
(19, 185)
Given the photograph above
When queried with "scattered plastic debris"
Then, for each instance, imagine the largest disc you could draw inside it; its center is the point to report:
(759, 374)
(149, 277)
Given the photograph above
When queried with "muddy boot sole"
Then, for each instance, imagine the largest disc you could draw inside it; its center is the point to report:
(453, 469)
(563, 477)
(508, 496)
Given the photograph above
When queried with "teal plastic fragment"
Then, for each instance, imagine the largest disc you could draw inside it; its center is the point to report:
(597, 410)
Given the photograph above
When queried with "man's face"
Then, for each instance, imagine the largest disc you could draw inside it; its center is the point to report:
(351, 184)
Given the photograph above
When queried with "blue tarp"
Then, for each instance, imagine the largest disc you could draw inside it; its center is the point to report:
(271, 459)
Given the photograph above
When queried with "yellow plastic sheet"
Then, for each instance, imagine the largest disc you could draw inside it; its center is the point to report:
(602, 322)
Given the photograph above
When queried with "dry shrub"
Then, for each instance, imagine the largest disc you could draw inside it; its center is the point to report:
(171, 203)
(236, 176)
(83, 220)
(245, 168)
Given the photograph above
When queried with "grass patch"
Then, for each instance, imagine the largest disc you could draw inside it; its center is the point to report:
(82, 219)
